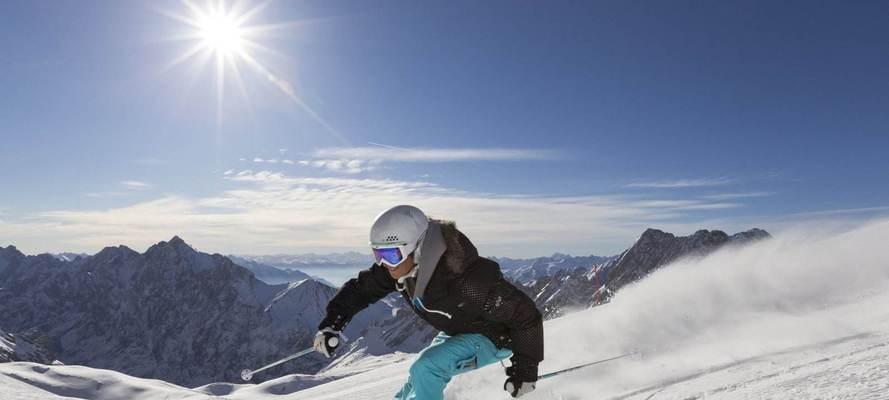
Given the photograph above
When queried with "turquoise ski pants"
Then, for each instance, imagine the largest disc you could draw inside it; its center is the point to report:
(445, 357)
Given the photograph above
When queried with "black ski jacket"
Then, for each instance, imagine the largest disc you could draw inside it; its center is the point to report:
(467, 294)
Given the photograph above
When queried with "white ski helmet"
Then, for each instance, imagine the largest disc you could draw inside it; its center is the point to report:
(403, 226)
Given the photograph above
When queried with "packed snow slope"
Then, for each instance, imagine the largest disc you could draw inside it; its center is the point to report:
(801, 316)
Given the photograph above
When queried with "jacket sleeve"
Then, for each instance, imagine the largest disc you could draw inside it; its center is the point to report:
(370, 286)
(502, 302)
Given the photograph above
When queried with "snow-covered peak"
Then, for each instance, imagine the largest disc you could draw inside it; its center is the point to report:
(528, 271)
(70, 257)
(656, 248)
(300, 304)
(299, 260)
(594, 283)
(272, 275)
(141, 313)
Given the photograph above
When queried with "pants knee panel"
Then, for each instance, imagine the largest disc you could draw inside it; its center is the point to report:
(427, 366)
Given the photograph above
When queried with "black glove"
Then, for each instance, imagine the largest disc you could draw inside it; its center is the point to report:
(327, 340)
(522, 379)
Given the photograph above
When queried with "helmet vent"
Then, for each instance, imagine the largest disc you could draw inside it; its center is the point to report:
(392, 238)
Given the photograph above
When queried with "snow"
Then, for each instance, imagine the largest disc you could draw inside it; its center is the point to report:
(300, 304)
(86, 383)
(797, 317)
(13, 389)
(36, 381)
(6, 345)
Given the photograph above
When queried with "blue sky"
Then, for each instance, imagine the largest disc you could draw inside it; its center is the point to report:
(539, 127)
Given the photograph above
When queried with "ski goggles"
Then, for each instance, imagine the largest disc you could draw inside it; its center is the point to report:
(389, 257)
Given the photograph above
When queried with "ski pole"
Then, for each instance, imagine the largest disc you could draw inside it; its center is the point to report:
(560, 372)
(247, 374)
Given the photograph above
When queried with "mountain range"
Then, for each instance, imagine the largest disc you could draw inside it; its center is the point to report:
(273, 275)
(170, 313)
(586, 286)
(769, 320)
(192, 318)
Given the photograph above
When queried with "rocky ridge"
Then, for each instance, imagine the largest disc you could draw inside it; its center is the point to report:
(583, 287)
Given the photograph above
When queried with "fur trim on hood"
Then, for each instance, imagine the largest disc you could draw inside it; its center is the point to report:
(460, 251)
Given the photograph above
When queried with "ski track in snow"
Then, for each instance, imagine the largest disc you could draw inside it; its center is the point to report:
(838, 369)
(787, 319)
(853, 367)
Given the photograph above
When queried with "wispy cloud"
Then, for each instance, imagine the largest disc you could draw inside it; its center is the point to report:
(733, 196)
(391, 153)
(355, 160)
(136, 185)
(686, 205)
(681, 183)
(272, 212)
(260, 160)
(345, 166)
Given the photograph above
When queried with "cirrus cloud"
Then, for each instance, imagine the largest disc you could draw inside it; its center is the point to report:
(271, 212)
(403, 154)
(681, 183)
(355, 160)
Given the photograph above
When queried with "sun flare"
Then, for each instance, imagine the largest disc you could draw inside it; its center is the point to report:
(221, 33)
(217, 30)
(226, 35)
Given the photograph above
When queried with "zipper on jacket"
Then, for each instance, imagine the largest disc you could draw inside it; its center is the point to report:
(419, 304)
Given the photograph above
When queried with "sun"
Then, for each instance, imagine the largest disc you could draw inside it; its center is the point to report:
(221, 33)
(216, 28)
(226, 35)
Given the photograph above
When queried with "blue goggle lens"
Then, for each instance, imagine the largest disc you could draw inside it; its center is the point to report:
(392, 255)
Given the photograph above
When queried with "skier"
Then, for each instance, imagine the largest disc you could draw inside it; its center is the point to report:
(482, 318)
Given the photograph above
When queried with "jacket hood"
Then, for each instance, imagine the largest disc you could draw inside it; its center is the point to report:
(460, 252)
(444, 254)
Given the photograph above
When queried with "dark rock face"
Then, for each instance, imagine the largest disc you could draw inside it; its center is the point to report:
(28, 346)
(656, 248)
(171, 313)
(749, 236)
(586, 287)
